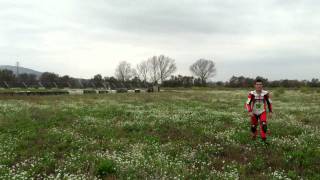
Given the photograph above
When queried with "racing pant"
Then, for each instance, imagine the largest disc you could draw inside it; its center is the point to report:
(263, 124)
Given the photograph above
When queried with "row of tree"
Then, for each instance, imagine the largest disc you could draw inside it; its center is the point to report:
(242, 81)
(157, 69)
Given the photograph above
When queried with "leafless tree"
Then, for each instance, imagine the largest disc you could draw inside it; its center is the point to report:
(204, 69)
(160, 68)
(153, 67)
(167, 67)
(124, 71)
(142, 71)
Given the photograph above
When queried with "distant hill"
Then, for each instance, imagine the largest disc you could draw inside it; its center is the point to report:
(21, 70)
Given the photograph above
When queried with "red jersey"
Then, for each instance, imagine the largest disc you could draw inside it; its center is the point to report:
(258, 103)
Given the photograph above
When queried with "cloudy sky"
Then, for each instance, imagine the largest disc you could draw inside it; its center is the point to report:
(276, 39)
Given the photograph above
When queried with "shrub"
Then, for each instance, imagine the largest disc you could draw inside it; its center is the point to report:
(278, 92)
(306, 90)
(105, 167)
(88, 91)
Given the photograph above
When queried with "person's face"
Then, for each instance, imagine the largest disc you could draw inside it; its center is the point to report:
(258, 86)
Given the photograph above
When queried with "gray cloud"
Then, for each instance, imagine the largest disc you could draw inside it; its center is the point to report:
(203, 16)
(63, 36)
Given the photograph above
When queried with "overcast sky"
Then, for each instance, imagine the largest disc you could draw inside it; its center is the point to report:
(276, 39)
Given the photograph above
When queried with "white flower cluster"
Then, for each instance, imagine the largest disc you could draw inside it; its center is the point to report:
(278, 174)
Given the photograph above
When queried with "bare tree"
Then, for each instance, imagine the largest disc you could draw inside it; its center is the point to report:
(153, 67)
(204, 69)
(161, 67)
(124, 71)
(167, 67)
(142, 71)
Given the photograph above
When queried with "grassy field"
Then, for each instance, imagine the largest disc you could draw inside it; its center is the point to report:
(190, 134)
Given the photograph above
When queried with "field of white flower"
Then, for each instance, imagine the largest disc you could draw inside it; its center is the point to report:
(191, 134)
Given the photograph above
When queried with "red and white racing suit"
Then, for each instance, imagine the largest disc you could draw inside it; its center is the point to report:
(258, 104)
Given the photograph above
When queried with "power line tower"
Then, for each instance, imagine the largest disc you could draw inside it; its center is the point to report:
(17, 69)
(17, 73)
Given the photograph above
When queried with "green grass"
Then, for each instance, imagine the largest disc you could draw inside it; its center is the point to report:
(191, 134)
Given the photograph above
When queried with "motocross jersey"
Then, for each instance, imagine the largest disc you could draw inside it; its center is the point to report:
(258, 103)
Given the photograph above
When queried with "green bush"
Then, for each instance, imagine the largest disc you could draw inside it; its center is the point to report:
(105, 167)
(306, 90)
(89, 91)
(258, 164)
(278, 92)
(292, 174)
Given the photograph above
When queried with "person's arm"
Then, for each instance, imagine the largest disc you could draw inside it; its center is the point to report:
(248, 104)
(269, 102)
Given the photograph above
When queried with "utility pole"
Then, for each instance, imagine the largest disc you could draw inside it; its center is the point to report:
(17, 69)
(17, 75)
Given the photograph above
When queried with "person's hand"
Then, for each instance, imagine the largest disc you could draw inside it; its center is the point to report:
(250, 114)
(270, 115)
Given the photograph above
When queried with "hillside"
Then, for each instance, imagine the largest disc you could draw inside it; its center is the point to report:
(21, 70)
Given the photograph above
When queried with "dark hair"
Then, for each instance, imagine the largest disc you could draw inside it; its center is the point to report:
(258, 80)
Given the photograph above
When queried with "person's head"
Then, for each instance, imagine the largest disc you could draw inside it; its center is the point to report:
(258, 84)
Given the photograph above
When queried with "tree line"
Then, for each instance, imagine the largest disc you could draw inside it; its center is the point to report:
(154, 70)
(242, 81)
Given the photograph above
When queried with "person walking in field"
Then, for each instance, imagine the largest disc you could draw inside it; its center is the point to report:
(257, 104)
